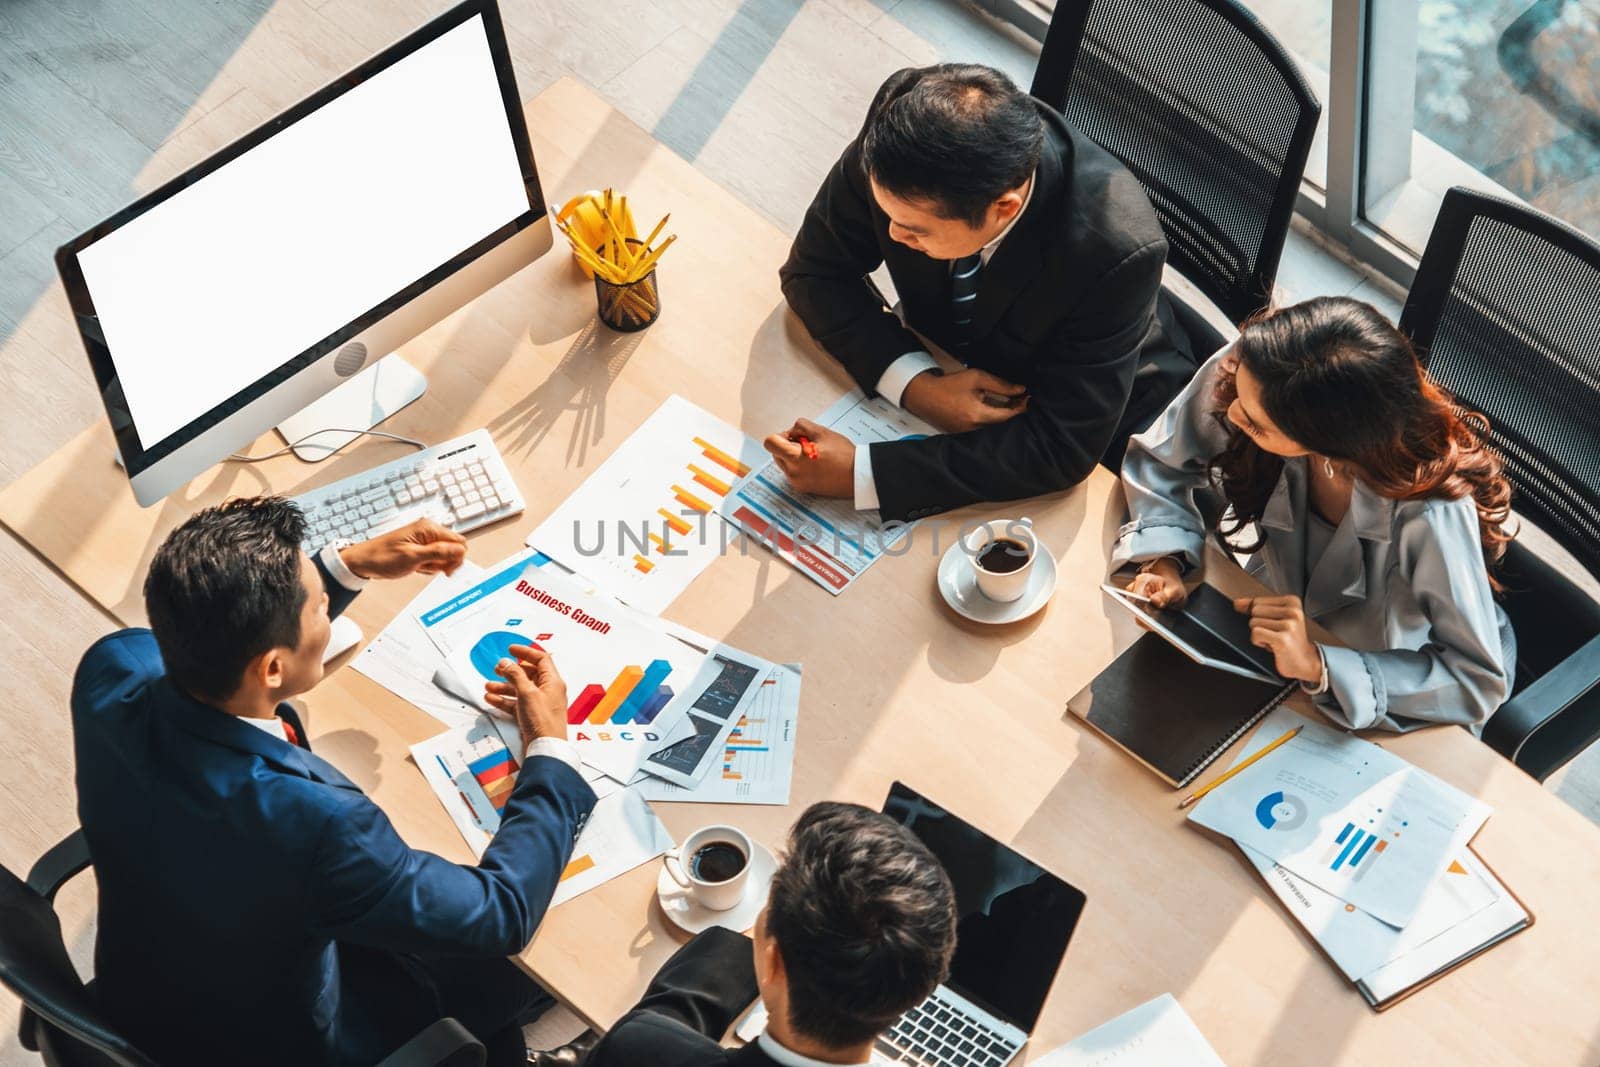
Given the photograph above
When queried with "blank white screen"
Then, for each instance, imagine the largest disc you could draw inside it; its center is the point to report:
(230, 278)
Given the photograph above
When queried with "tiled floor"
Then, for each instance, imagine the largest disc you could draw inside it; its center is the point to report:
(100, 100)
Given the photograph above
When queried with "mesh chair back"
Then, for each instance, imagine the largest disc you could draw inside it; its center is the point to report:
(1505, 311)
(1207, 110)
(35, 966)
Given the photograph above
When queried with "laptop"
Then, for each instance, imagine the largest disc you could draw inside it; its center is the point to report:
(1014, 921)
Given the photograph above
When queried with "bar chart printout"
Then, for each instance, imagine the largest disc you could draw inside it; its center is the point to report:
(473, 775)
(755, 764)
(646, 522)
(829, 541)
(1347, 816)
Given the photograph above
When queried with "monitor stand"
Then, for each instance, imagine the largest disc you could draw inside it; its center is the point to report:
(336, 418)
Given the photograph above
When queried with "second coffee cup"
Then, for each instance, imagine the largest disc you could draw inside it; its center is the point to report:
(713, 864)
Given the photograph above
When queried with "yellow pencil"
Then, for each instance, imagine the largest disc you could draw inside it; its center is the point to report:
(1203, 790)
(643, 267)
(648, 241)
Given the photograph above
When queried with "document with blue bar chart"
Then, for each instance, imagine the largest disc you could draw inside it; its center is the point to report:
(829, 541)
(629, 683)
(1351, 818)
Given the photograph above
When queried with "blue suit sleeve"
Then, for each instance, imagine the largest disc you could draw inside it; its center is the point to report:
(368, 887)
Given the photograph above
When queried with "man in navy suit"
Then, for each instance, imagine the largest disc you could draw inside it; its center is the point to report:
(255, 905)
(860, 925)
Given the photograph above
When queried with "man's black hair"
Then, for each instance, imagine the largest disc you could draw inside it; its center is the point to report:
(957, 135)
(864, 918)
(225, 587)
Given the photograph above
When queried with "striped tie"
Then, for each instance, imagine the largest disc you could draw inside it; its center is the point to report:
(964, 274)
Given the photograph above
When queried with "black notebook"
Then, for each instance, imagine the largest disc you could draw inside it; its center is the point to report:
(1169, 712)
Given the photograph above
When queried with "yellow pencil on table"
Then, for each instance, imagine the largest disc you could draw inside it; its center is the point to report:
(1203, 790)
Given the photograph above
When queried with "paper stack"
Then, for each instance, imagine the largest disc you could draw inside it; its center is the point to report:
(1368, 852)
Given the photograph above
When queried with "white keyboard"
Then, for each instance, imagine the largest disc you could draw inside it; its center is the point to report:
(462, 484)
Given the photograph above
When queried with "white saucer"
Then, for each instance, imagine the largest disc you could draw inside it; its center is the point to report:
(692, 918)
(959, 585)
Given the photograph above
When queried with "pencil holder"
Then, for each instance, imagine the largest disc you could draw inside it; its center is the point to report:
(631, 307)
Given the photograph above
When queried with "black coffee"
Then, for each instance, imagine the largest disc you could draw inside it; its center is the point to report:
(717, 861)
(1003, 555)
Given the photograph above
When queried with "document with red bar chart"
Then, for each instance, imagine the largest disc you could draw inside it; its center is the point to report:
(472, 772)
(629, 683)
(827, 540)
(645, 523)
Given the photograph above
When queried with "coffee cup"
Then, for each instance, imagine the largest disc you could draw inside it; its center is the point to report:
(713, 865)
(1002, 554)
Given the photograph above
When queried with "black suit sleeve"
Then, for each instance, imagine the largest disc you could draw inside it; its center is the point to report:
(693, 1000)
(339, 598)
(1083, 376)
(825, 278)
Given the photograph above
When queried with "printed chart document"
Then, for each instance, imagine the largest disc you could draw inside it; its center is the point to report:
(757, 764)
(645, 523)
(1357, 943)
(828, 540)
(628, 682)
(1158, 1033)
(1349, 817)
(472, 772)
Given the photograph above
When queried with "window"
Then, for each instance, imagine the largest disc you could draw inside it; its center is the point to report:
(1422, 95)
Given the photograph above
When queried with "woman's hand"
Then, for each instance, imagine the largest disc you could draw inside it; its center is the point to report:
(1278, 624)
(1162, 582)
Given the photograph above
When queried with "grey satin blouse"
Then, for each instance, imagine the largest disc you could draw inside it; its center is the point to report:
(1402, 583)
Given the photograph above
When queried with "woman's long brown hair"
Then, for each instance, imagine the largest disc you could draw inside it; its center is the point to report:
(1340, 380)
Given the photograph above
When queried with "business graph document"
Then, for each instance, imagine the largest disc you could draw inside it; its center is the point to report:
(757, 763)
(627, 681)
(1349, 817)
(1158, 1033)
(472, 772)
(645, 523)
(829, 541)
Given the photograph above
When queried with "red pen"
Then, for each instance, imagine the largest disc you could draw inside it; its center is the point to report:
(808, 446)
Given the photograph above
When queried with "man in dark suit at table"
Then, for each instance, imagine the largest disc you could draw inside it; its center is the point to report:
(859, 926)
(1020, 247)
(255, 906)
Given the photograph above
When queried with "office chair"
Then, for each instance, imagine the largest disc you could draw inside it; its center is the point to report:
(1203, 105)
(62, 1021)
(1505, 312)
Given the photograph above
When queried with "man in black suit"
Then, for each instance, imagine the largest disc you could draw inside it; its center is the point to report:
(860, 925)
(1019, 247)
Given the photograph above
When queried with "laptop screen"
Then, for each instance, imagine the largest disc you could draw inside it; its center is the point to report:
(1015, 917)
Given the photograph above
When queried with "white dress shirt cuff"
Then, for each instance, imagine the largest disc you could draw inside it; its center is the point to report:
(339, 569)
(866, 495)
(892, 383)
(558, 747)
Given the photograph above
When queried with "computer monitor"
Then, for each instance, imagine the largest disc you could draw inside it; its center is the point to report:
(284, 268)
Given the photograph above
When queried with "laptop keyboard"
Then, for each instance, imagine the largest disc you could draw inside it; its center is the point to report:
(935, 1032)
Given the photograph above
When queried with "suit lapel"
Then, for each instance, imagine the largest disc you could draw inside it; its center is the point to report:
(1019, 260)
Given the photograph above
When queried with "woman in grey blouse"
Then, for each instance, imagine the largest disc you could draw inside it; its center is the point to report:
(1317, 445)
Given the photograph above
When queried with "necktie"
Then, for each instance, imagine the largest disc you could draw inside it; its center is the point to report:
(964, 275)
(289, 732)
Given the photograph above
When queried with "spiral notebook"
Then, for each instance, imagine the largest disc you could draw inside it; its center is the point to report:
(1170, 713)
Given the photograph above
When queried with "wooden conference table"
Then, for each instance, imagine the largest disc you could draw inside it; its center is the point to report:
(896, 685)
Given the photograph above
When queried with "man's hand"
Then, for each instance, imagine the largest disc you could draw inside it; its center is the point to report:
(964, 400)
(533, 694)
(422, 547)
(1278, 624)
(833, 470)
